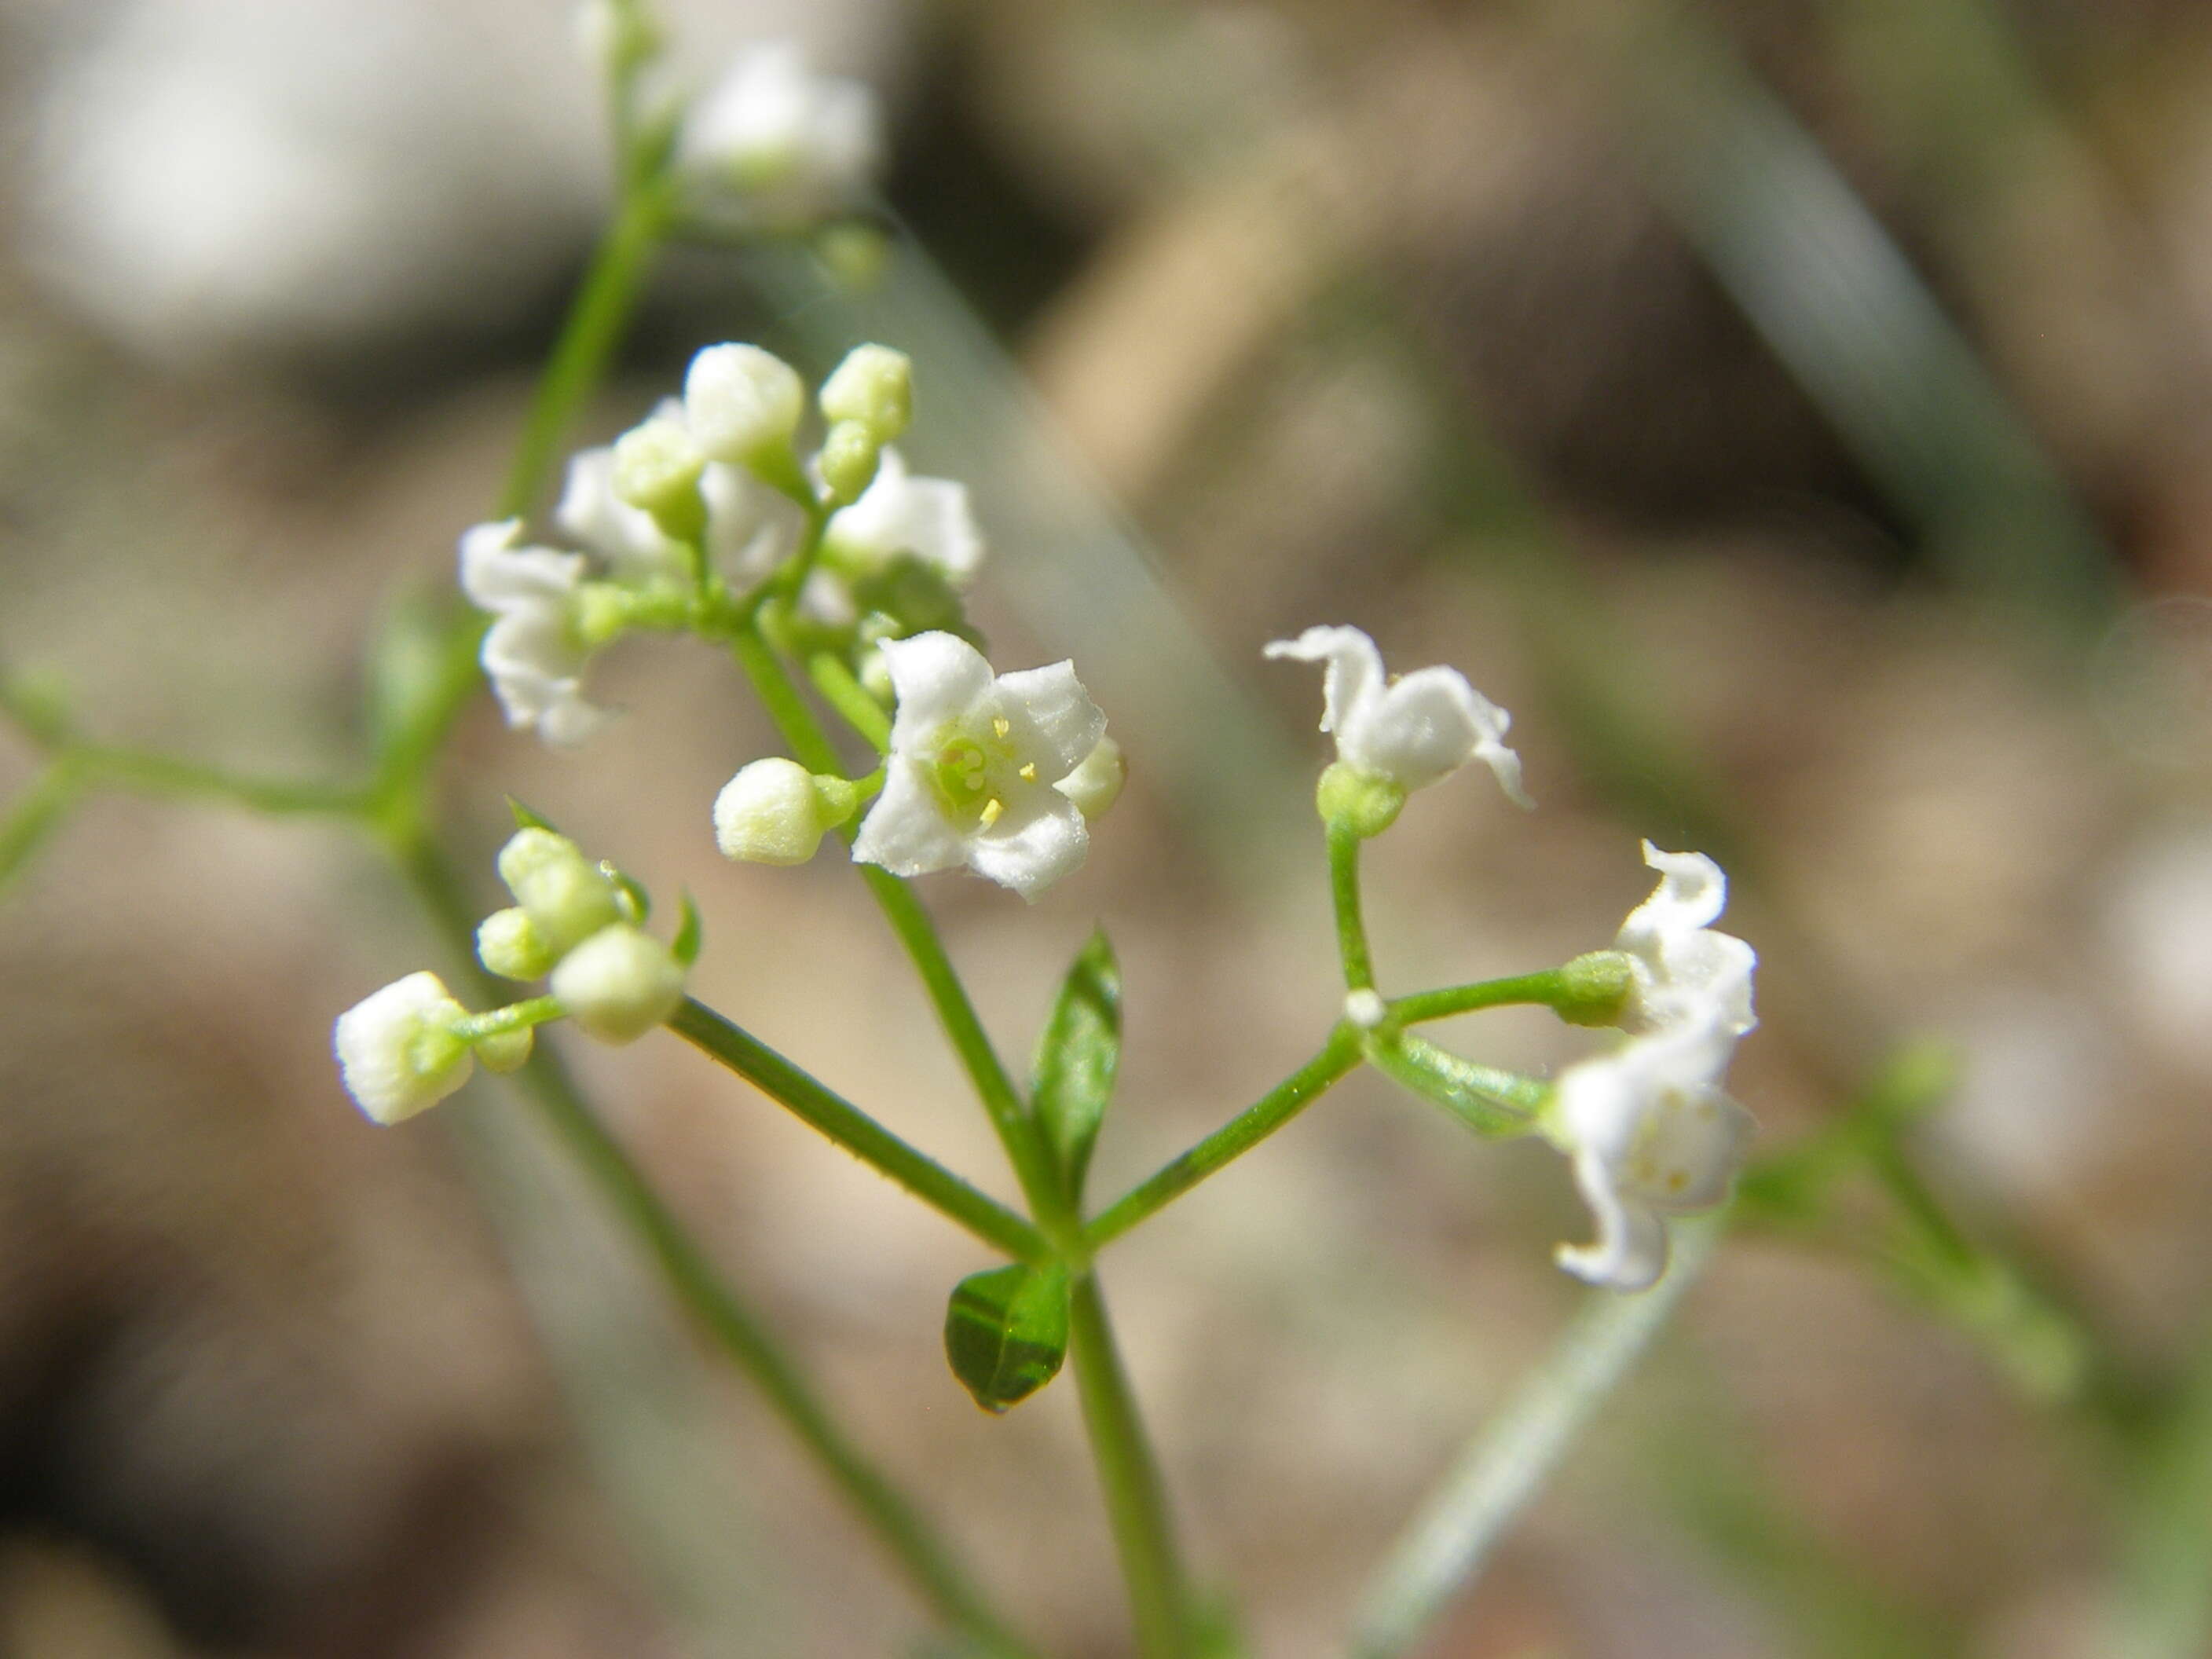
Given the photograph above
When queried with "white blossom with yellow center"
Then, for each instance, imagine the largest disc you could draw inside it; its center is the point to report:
(974, 759)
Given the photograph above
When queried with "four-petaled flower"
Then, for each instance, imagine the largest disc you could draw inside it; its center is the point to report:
(1409, 732)
(1651, 1134)
(793, 146)
(973, 761)
(531, 650)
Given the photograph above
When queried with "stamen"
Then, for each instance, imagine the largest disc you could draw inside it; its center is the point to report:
(1002, 726)
(992, 809)
(1028, 772)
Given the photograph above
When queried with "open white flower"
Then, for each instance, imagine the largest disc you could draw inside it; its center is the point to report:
(974, 760)
(396, 1051)
(531, 651)
(1686, 973)
(792, 146)
(1411, 731)
(1651, 1135)
(900, 513)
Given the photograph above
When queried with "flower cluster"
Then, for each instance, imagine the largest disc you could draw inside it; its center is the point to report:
(1647, 1125)
(575, 924)
(1648, 1128)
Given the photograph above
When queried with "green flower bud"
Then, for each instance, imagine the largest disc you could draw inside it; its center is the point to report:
(874, 388)
(509, 944)
(567, 896)
(619, 984)
(1598, 987)
(657, 467)
(848, 459)
(775, 812)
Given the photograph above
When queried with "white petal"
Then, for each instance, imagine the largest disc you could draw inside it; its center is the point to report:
(624, 536)
(898, 513)
(1054, 722)
(1691, 893)
(1426, 726)
(937, 677)
(1354, 674)
(751, 527)
(906, 831)
(381, 1056)
(1630, 1253)
(1033, 846)
(496, 572)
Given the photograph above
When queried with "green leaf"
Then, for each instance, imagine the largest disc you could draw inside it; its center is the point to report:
(528, 818)
(689, 934)
(1005, 1332)
(629, 893)
(1078, 1056)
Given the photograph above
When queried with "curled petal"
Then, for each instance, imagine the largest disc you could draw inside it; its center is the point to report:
(1630, 1251)
(1354, 673)
(1428, 725)
(906, 831)
(1032, 847)
(937, 677)
(1054, 720)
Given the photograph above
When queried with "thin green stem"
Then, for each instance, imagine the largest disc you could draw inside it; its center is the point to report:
(814, 1103)
(850, 699)
(159, 774)
(701, 1290)
(36, 813)
(1136, 1502)
(1232, 1140)
(1343, 892)
(1010, 1117)
(515, 1016)
(1548, 989)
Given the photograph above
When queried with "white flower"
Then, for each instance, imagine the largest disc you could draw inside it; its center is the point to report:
(795, 146)
(1651, 1135)
(1685, 972)
(633, 546)
(530, 651)
(1411, 731)
(901, 513)
(619, 984)
(973, 762)
(396, 1051)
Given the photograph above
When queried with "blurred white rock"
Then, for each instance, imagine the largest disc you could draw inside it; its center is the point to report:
(212, 178)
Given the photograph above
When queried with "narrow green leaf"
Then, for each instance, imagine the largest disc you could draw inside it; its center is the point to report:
(1078, 1056)
(690, 934)
(1005, 1332)
(629, 893)
(527, 819)
(1491, 1102)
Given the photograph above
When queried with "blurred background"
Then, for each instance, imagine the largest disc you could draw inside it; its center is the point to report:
(1798, 413)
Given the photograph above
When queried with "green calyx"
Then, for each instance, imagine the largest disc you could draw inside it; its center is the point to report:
(850, 455)
(1594, 987)
(1361, 804)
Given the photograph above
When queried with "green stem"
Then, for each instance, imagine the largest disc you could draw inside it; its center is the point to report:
(856, 1132)
(515, 1016)
(1549, 989)
(1495, 1103)
(703, 1293)
(1018, 1131)
(1234, 1137)
(1136, 1502)
(1344, 892)
(594, 328)
(36, 814)
(851, 700)
(159, 774)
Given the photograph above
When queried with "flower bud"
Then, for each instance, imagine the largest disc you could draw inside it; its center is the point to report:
(1365, 804)
(396, 1051)
(775, 812)
(505, 1051)
(741, 403)
(1599, 984)
(567, 897)
(509, 944)
(1096, 783)
(850, 455)
(657, 467)
(874, 388)
(619, 984)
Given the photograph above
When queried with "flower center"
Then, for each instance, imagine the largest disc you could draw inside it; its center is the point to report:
(974, 768)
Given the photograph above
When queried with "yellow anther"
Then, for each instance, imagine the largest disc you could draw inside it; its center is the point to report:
(1028, 772)
(992, 808)
(1002, 726)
